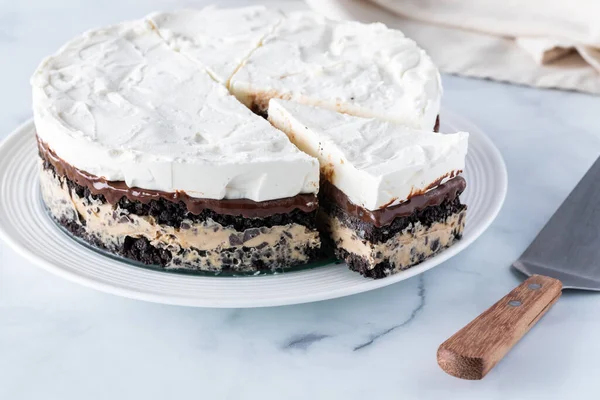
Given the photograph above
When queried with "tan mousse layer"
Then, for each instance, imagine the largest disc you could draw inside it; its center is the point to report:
(408, 247)
(199, 246)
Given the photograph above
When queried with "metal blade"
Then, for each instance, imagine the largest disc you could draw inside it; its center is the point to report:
(568, 247)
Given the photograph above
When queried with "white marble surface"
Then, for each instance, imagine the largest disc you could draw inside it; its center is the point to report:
(60, 340)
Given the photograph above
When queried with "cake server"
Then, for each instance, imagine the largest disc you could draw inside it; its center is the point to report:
(564, 255)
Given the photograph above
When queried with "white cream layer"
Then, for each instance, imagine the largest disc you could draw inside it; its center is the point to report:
(217, 39)
(366, 70)
(134, 102)
(375, 163)
(121, 104)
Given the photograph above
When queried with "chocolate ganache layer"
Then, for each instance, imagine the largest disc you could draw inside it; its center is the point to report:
(447, 192)
(115, 191)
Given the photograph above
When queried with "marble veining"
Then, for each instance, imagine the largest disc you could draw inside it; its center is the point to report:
(378, 335)
(61, 340)
(304, 341)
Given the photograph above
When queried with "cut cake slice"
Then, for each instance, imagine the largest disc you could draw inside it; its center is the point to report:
(389, 195)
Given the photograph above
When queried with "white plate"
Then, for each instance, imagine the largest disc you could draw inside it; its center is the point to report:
(26, 227)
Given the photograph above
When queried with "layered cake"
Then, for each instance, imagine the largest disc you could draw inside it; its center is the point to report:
(154, 146)
(145, 155)
(365, 70)
(389, 194)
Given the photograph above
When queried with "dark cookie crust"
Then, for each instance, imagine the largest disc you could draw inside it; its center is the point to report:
(359, 264)
(141, 250)
(138, 249)
(172, 214)
(370, 232)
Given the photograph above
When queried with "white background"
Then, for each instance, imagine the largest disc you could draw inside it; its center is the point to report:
(62, 341)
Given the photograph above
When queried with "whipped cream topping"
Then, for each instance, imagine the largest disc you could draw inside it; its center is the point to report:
(146, 102)
(121, 104)
(375, 163)
(219, 40)
(365, 70)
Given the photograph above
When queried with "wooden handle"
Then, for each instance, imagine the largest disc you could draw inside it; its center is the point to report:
(474, 350)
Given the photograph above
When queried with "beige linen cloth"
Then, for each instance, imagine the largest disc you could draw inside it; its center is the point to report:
(543, 43)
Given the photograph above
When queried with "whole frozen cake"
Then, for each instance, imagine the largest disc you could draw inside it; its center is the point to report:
(154, 144)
